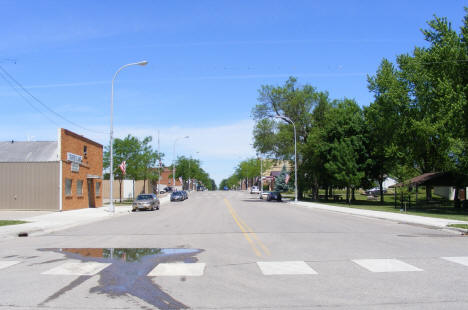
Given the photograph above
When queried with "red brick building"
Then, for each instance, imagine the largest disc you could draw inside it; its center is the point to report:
(51, 175)
(81, 167)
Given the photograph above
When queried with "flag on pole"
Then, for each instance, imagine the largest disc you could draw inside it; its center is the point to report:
(180, 180)
(123, 167)
(287, 178)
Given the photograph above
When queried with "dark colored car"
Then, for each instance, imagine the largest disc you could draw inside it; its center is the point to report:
(177, 196)
(271, 196)
(185, 194)
(146, 202)
(168, 189)
(226, 188)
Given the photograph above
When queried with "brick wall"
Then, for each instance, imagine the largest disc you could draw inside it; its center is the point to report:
(91, 166)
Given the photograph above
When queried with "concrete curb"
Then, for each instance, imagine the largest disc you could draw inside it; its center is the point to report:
(56, 221)
(396, 217)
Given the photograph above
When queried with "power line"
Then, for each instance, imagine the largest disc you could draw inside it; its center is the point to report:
(42, 103)
(27, 100)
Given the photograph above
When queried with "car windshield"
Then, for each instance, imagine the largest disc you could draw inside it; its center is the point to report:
(144, 197)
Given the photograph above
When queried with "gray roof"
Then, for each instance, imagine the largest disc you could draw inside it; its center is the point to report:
(28, 151)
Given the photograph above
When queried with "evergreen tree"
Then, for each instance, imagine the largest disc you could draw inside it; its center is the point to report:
(280, 181)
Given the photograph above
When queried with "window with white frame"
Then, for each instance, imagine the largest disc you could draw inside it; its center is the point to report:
(68, 187)
(98, 188)
(79, 187)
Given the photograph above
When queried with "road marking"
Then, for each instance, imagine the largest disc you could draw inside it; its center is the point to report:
(237, 219)
(385, 265)
(8, 263)
(263, 246)
(178, 269)
(462, 260)
(285, 268)
(77, 269)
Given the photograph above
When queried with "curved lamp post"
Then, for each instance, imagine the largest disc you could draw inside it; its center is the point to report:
(173, 160)
(288, 120)
(140, 63)
(190, 171)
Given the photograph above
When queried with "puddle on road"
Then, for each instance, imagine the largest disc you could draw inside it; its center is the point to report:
(127, 274)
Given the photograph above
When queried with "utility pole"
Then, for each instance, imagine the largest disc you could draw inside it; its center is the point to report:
(159, 164)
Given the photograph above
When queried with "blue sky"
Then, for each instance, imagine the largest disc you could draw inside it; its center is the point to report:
(207, 59)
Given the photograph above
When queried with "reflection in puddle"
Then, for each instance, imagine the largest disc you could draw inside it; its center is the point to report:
(128, 271)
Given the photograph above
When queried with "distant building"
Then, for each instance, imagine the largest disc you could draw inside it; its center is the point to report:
(166, 179)
(51, 175)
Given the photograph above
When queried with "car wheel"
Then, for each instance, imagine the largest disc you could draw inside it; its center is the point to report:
(268, 198)
(133, 210)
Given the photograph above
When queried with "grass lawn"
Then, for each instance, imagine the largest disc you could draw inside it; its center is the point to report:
(5, 222)
(440, 208)
(464, 226)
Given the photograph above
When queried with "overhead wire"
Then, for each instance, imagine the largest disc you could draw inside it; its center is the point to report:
(19, 85)
(27, 100)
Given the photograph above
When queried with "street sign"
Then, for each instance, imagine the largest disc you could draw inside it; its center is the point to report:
(74, 158)
(75, 167)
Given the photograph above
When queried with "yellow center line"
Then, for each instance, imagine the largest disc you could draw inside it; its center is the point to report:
(246, 231)
(262, 245)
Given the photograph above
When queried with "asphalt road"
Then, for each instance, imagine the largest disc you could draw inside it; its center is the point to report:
(233, 251)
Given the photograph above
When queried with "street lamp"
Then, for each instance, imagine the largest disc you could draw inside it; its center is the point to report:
(288, 120)
(189, 180)
(140, 63)
(173, 159)
(261, 177)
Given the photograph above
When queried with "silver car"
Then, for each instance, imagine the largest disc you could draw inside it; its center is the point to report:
(146, 202)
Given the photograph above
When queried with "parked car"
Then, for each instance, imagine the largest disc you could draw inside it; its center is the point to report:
(168, 189)
(271, 196)
(226, 188)
(185, 194)
(254, 190)
(146, 202)
(177, 196)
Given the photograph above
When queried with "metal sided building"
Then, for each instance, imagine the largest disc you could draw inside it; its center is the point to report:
(51, 175)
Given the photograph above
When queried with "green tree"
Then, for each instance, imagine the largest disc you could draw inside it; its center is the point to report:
(344, 142)
(276, 139)
(429, 92)
(383, 123)
(139, 156)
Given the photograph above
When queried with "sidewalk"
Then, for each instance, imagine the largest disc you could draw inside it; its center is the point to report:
(55, 221)
(398, 217)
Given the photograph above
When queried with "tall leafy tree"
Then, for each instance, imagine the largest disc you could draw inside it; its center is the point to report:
(344, 142)
(277, 138)
(383, 123)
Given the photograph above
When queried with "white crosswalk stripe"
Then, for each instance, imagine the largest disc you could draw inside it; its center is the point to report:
(462, 260)
(385, 265)
(266, 268)
(178, 269)
(285, 268)
(8, 263)
(77, 269)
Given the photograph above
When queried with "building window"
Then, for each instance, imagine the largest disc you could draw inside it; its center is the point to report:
(85, 150)
(79, 187)
(68, 187)
(98, 188)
